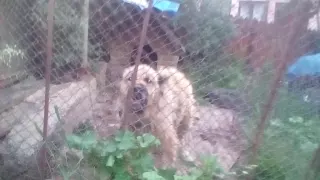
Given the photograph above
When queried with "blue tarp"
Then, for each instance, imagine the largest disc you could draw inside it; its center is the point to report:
(162, 5)
(305, 65)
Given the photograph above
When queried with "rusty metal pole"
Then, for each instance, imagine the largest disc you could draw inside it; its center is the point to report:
(47, 85)
(299, 16)
(284, 60)
(137, 61)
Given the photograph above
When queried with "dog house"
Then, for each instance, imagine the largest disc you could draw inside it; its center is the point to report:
(119, 25)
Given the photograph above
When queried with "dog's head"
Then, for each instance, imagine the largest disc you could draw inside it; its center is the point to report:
(146, 87)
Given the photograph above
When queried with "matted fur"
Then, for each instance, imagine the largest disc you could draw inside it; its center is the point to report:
(170, 105)
(174, 80)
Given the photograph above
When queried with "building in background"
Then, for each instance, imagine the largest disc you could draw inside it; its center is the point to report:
(264, 10)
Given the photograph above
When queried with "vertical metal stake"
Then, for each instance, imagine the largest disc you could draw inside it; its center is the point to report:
(47, 85)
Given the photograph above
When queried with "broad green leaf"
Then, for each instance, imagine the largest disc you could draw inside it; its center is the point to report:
(110, 147)
(122, 176)
(168, 174)
(196, 173)
(143, 164)
(118, 136)
(73, 141)
(152, 175)
(126, 141)
(83, 142)
(110, 161)
(176, 177)
(147, 140)
(121, 135)
(126, 145)
(106, 147)
(119, 155)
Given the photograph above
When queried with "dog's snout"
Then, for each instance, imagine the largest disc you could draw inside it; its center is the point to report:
(139, 99)
(139, 92)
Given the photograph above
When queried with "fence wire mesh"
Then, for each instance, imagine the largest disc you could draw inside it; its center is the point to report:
(217, 89)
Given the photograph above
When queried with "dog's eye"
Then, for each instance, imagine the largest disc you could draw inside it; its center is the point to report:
(129, 78)
(147, 80)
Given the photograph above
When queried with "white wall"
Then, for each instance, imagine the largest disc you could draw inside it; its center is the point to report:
(234, 7)
(313, 24)
(271, 8)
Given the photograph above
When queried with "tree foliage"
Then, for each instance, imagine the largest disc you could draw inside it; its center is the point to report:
(68, 31)
(208, 24)
(208, 27)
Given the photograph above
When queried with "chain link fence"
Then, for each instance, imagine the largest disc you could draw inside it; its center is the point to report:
(177, 90)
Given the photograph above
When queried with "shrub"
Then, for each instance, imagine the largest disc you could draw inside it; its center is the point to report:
(125, 156)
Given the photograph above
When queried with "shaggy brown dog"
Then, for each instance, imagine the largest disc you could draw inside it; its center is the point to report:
(162, 103)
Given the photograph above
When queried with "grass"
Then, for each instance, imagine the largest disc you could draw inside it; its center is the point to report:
(292, 134)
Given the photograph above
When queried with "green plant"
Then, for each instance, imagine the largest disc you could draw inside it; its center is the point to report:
(126, 156)
(288, 148)
(122, 157)
(209, 170)
(269, 168)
